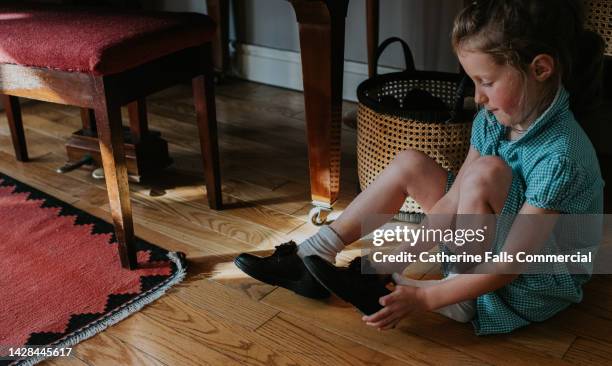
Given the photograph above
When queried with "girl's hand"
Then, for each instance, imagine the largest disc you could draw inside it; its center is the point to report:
(399, 303)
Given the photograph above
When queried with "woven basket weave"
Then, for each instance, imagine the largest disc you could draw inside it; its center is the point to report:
(599, 20)
(384, 131)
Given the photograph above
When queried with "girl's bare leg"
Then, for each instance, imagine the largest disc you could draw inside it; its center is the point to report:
(411, 173)
(483, 193)
(485, 187)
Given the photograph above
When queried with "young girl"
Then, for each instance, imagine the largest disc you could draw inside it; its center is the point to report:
(536, 72)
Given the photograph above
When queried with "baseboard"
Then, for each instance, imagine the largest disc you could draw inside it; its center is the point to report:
(283, 68)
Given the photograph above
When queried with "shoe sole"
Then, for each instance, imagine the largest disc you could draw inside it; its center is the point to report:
(312, 268)
(295, 286)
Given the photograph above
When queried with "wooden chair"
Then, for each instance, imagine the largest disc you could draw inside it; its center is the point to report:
(102, 60)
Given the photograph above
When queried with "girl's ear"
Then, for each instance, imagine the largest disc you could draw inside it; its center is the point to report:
(542, 67)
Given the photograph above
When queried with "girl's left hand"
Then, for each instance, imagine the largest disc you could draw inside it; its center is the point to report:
(399, 303)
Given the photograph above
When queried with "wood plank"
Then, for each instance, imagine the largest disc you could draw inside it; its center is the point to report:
(430, 336)
(64, 361)
(286, 102)
(179, 218)
(272, 213)
(598, 296)
(311, 345)
(196, 246)
(349, 112)
(587, 352)
(105, 349)
(243, 208)
(188, 205)
(340, 318)
(178, 334)
(221, 269)
(60, 126)
(38, 144)
(188, 216)
(189, 220)
(35, 174)
(582, 323)
(239, 124)
(224, 302)
(288, 197)
(536, 344)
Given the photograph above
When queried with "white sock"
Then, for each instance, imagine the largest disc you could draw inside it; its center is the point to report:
(326, 244)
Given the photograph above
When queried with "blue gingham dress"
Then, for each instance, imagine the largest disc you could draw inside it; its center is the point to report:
(554, 166)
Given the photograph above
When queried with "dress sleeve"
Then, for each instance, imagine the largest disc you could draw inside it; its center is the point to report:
(559, 184)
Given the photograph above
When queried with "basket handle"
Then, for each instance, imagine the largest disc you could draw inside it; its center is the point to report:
(408, 58)
(458, 110)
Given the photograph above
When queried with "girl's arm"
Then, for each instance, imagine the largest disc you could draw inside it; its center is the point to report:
(529, 232)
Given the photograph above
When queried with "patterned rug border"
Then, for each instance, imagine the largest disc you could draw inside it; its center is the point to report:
(118, 314)
(121, 312)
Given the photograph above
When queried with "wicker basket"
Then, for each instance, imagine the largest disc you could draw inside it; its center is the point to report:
(599, 20)
(384, 130)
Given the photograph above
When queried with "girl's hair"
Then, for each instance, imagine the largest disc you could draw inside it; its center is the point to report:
(513, 32)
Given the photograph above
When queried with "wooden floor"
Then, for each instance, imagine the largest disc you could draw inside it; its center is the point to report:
(218, 316)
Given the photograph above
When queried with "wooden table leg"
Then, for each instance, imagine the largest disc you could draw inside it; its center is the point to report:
(372, 29)
(13, 115)
(218, 10)
(110, 135)
(321, 25)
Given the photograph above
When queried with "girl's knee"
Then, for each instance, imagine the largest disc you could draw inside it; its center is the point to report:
(487, 172)
(411, 160)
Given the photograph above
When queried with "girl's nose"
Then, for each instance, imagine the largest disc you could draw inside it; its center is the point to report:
(480, 98)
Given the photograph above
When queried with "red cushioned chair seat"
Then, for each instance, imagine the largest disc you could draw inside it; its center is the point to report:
(95, 41)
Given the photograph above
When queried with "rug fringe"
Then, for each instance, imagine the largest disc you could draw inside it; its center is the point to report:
(127, 310)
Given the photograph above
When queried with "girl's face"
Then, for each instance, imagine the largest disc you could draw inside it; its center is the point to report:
(499, 88)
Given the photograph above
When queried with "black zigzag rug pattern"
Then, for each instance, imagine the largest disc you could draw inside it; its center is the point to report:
(115, 303)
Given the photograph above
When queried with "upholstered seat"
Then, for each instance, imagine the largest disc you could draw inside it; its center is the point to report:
(95, 41)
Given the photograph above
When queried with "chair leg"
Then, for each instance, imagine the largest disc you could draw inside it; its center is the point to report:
(13, 114)
(204, 100)
(139, 125)
(110, 135)
(88, 119)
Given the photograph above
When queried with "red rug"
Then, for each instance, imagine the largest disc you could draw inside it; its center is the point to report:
(61, 280)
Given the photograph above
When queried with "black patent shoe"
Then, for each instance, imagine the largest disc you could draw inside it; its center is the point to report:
(283, 268)
(349, 284)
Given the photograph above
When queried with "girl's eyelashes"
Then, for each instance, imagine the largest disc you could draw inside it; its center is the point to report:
(486, 84)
